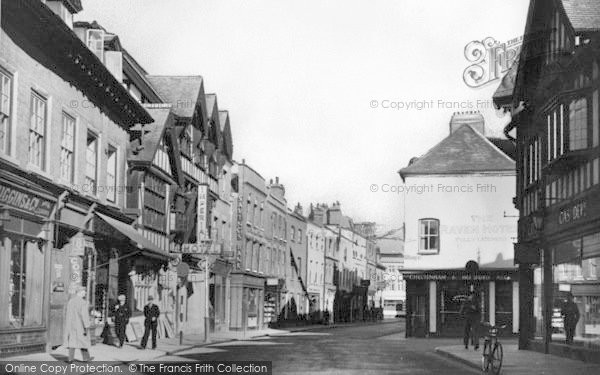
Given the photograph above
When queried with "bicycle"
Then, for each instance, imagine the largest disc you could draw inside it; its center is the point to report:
(492, 355)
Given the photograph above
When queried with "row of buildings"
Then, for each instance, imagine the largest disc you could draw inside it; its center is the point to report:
(124, 182)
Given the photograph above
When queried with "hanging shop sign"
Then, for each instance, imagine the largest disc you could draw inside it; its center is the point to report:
(25, 201)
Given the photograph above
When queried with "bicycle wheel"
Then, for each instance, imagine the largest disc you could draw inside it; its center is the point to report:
(485, 357)
(496, 358)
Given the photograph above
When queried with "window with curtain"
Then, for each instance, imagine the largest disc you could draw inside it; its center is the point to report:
(111, 174)
(91, 163)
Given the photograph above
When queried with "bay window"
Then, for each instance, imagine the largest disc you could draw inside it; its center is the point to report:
(578, 124)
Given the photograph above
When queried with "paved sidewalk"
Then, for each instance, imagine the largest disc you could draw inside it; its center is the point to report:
(521, 361)
(171, 346)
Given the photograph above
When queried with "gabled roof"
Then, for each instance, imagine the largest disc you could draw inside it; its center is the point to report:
(181, 91)
(153, 132)
(74, 6)
(227, 139)
(464, 151)
(583, 14)
(212, 110)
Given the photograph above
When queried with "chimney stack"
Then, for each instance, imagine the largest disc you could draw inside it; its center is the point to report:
(472, 118)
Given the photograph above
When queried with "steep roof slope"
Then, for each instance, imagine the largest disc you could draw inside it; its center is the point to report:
(464, 151)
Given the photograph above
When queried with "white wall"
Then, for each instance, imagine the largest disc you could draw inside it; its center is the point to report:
(473, 224)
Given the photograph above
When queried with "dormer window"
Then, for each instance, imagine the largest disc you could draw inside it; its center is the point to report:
(95, 42)
(59, 8)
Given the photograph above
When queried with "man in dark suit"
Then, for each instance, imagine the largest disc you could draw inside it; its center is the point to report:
(570, 314)
(471, 313)
(122, 315)
(151, 312)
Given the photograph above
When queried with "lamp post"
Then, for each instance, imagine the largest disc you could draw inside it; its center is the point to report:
(546, 261)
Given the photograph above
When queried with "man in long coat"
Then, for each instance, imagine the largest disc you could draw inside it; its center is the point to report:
(570, 314)
(122, 315)
(77, 322)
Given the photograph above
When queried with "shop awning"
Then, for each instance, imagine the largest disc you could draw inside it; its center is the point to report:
(144, 246)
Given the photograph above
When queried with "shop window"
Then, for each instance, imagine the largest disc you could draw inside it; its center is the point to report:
(5, 111)
(37, 130)
(429, 236)
(67, 148)
(26, 285)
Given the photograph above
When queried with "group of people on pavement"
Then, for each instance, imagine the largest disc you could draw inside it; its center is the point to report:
(77, 323)
(470, 311)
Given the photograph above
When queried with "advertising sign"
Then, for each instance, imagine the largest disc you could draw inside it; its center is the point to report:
(202, 212)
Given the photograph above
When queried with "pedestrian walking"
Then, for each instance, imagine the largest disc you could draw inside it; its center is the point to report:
(121, 315)
(151, 312)
(77, 323)
(471, 313)
(570, 314)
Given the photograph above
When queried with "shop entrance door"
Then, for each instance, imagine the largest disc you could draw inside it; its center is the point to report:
(417, 311)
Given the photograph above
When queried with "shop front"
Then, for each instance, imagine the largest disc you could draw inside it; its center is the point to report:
(434, 299)
(247, 296)
(128, 263)
(25, 248)
(274, 300)
(220, 295)
(567, 264)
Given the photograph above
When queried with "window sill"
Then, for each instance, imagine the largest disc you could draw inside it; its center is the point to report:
(10, 159)
(36, 170)
(428, 252)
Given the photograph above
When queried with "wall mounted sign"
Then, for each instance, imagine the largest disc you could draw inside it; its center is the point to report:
(572, 213)
(202, 212)
(25, 201)
(496, 276)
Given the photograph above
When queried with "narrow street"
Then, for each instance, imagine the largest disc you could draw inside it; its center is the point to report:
(371, 349)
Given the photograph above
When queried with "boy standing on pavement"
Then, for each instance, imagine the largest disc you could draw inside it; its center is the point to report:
(151, 312)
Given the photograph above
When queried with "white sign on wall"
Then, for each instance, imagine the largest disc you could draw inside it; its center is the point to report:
(202, 212)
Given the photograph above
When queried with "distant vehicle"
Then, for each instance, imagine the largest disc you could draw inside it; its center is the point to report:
(393, 309)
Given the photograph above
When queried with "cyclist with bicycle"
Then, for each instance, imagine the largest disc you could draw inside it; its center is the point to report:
(471, 312)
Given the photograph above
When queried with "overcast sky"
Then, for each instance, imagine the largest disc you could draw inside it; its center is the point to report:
(299, 78)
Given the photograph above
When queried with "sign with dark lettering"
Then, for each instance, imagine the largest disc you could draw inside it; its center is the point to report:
(202, 221)
(25, 201)
(459, 276)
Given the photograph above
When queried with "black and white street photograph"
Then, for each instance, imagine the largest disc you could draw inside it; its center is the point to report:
(300, 187)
